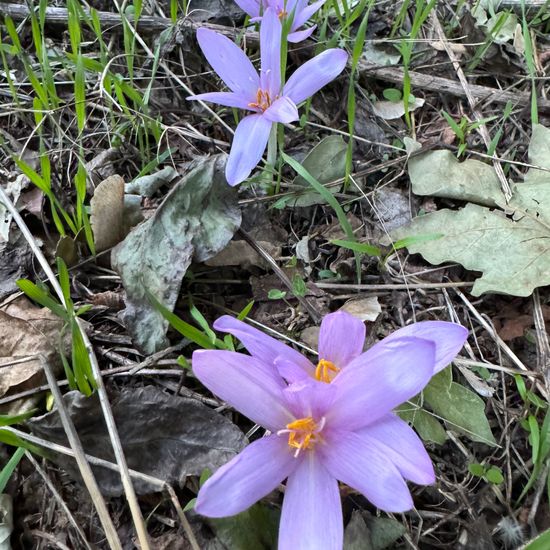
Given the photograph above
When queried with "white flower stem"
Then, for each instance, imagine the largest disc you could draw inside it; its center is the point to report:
(271, 152)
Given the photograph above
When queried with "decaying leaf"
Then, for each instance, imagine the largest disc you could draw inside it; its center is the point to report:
(242, 254)
(16, 262)
(26, 331)
(107, 207)
(195, 221)
(165, 436)
(326, 162)
(6, 521)
(366, 309)
(147, 186)
(508, 244)
(390, 110)
(366, 532)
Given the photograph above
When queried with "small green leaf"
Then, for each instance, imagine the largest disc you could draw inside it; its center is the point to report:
(476, 469)
(461, 408)
(276, 294)
(361, 248)
(494, 475)
(190, 505)
(392, 94)
(299, 287)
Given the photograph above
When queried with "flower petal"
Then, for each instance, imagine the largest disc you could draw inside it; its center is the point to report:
(250, 476)
(247, 148)
(292, 372)
(310, 398)
(298, 36)
(260, 345)
(448, 338)
(282, 110)
(302, 16)
(251, 7)
(341, 338)
(311, 518)
(358, 461)
(380, 379)
(314, 74)
(229, 99)
(246, 384)
(270, 52)
(403, 447)
(230, 62)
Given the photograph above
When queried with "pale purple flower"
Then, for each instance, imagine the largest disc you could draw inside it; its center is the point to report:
(300, 8)
(322, 433)
(262, 93)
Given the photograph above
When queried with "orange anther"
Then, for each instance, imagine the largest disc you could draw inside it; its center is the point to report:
(326, 371)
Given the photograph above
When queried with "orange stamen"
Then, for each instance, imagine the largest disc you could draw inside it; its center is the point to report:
(263, 100)
(282, 14)
(303, 433)
(326, 371)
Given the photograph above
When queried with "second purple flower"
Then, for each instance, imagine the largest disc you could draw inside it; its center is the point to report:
(263, 93)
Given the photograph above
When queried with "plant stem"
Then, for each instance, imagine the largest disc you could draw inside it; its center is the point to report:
(271, 153)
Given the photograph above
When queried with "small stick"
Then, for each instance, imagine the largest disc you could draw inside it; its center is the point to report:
(57, 497)
(314, 314)
(482, 129)
(80, 457)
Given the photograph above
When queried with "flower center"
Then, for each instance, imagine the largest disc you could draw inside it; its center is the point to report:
(303, 433)
(326, 371)
(263, 100)
(282, 13)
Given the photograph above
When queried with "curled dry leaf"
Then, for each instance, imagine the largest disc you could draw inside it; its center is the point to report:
(107, 213)
(27, 331)
(242, 254)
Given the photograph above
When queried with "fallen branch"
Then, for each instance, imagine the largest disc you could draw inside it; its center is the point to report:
(112, 22)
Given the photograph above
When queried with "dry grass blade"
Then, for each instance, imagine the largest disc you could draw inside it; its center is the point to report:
(84, 467)
(482, 129)
(59, 500)
(158, 483)
(107, 413)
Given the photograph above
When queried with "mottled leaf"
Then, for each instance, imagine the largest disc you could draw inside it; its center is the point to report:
(459, 407)
(510, 245)
(195, 221)
(326, 162)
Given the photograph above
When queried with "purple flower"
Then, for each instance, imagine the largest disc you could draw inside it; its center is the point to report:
(302, 13)
(323, 432)
(262, 93)
(341, 341)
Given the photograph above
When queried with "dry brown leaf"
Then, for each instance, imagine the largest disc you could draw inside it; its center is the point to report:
(107, 211)
(242, 254)
(26, 331)
(365, 309)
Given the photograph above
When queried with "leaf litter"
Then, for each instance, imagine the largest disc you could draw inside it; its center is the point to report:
(449, 414)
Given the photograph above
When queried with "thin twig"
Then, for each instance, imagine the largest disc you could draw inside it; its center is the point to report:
(314, 314)
(481, 129)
